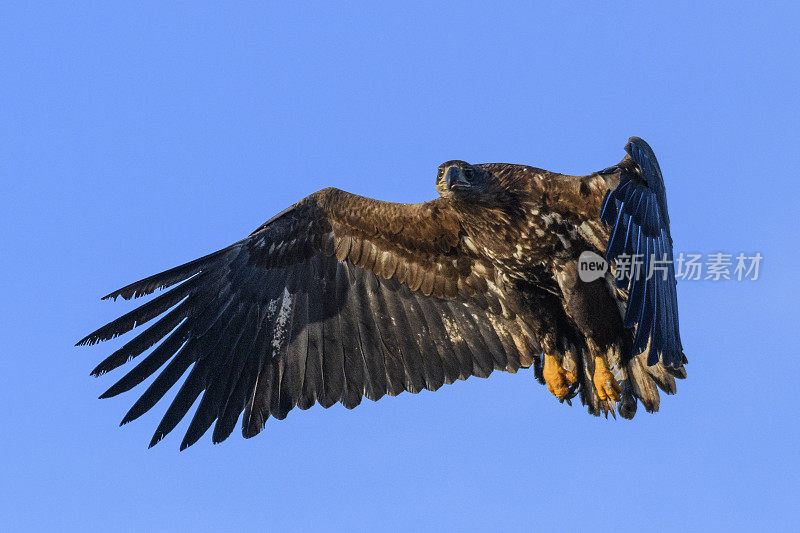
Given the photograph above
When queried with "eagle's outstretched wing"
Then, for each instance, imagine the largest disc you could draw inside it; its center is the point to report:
(637, 212)
(336, 298)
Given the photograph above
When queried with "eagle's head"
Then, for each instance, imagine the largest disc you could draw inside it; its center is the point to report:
(462, 181)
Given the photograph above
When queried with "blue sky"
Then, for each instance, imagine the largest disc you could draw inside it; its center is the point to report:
(137, 137)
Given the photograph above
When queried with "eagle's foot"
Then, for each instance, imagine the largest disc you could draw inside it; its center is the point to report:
(559, 380)
(608, 390)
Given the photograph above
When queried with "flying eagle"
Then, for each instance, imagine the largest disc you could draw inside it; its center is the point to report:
(341, 297)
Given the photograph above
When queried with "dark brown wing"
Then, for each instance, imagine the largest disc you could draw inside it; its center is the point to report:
(336, 298)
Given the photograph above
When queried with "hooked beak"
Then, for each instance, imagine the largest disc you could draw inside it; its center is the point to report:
(627, 164)
(609, 170)
(455, 179)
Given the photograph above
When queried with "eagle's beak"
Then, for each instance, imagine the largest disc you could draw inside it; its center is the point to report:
(609, 170)
(455, 179)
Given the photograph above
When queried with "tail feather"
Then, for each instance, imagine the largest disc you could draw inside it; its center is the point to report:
(662, 378)
(644, 388)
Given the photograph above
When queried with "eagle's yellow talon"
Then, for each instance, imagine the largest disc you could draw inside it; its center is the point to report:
(558, 379)
(607, 387)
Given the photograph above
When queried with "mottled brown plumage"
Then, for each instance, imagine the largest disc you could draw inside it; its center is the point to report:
(341, 297)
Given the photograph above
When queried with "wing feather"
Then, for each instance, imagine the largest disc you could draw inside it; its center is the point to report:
(418, 330)
(346, 350)
(637, 212)
(337, 298)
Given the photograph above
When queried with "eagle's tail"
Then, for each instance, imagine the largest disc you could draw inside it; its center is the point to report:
(643, 382)
(638, 381)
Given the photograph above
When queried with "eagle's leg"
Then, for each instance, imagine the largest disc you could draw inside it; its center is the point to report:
(607, 387)
(557, 377)
(596, 315)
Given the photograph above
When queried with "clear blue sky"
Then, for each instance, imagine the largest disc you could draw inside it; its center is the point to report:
(135, 138)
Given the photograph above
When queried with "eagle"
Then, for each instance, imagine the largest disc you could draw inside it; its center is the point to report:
(341, 297)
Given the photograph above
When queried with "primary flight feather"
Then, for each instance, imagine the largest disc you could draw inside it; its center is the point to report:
(341, 297)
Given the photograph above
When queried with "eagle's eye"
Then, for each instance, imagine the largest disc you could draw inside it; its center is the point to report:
(469, 173)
